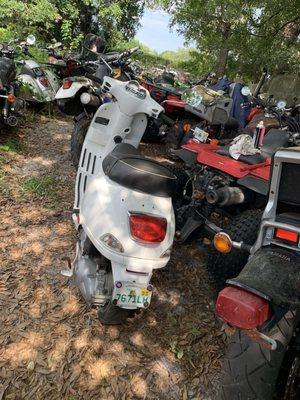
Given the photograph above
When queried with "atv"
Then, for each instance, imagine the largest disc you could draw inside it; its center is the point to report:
(229, 194)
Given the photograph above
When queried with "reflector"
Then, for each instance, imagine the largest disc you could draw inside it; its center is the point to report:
(44, 81)
(242, 309)
(147, 228)
(67, 84)
(284, 234)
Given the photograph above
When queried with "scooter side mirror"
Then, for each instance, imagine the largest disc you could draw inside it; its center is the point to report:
(94, 43)
(30, 40)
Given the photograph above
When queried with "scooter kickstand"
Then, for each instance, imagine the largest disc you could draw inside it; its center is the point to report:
(67, 272)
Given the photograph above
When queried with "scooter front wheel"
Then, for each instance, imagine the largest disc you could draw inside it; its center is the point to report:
(109, 314)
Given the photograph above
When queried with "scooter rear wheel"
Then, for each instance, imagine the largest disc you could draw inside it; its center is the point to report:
(109, 314)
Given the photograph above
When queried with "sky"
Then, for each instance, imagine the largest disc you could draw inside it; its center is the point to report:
(155, 32)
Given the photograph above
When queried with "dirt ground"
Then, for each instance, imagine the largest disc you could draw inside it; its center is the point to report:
(51, 344)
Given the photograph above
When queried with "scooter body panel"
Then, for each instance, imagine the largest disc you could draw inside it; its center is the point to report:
(114, 203)
(53, 80)
(38, 92)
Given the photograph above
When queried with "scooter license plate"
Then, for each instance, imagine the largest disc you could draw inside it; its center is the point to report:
(127, 294)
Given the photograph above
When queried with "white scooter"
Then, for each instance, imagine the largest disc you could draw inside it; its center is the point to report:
(123, 209)
(42, 83)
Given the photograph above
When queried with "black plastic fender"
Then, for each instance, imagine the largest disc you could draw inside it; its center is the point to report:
(273, 273)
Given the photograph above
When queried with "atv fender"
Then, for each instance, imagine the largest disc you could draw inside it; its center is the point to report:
(189, 157)
(274, 274)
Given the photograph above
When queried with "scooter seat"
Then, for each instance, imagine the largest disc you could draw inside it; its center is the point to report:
(126, 166)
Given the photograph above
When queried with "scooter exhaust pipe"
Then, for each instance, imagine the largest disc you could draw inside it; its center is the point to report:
(89, 100)
(226, 196)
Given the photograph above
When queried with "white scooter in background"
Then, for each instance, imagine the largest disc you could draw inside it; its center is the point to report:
(123, 207)
(42, 83)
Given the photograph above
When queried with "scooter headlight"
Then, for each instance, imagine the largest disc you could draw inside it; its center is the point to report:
(110, 241)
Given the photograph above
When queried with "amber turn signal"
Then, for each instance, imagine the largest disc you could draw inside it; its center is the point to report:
(11, 98)
(222, 242)
(186, 127)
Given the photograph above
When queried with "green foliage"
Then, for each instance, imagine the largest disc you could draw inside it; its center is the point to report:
(239, 36)
(11, 146)
(69, 20)
(43, 188)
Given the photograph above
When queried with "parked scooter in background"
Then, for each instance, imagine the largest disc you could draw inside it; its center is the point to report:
(80, 96)
(10, 105)
(261, 305)
(39, 85)
(123, 208)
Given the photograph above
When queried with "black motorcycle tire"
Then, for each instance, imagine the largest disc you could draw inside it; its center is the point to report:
(220, 267)
(251, 371)
(77, 138)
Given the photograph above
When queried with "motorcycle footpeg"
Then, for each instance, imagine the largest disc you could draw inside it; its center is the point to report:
(189, 227)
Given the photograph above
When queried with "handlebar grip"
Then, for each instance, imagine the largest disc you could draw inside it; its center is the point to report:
(93, 78)
(167, 120)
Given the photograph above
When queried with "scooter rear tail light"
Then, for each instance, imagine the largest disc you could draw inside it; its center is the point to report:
(289, 236)
(44, 81)
(242, 309)
(67, 84)
(147, 228)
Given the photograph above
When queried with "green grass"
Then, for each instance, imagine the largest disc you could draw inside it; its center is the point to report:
(45, 188)
(11, 146)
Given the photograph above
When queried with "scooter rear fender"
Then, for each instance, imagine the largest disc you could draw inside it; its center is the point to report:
(273, 273)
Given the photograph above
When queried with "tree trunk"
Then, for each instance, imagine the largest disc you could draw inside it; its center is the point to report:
(222, 61)
(225, 32)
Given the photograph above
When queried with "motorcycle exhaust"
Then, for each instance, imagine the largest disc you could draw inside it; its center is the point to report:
(12, 121)
(226, 196)
(90, 100)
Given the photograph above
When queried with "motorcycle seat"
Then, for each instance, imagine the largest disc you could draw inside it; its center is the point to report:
(273, 140)
(126, 166)
(251, 159)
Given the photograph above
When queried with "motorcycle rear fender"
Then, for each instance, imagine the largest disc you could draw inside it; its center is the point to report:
(273, 273)
(71, 92)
